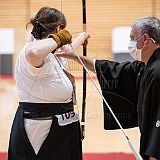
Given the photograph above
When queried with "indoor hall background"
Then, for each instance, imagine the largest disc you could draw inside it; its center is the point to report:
(102, 17)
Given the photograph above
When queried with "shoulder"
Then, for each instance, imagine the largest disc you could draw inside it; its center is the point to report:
(23, 51)
(25, 67)
(154, 71)
(136, 66)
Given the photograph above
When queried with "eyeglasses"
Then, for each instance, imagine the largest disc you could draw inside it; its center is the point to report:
(132, 39)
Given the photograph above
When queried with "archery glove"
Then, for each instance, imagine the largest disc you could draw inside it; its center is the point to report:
(63, 37)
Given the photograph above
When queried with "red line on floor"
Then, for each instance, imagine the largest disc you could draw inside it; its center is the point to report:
(109, 156)
(3, 156)
(8, 77)
(92, 156)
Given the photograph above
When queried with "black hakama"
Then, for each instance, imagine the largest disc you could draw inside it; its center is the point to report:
(62, 142)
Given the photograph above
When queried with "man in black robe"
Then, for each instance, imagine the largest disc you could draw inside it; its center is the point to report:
(132, 89)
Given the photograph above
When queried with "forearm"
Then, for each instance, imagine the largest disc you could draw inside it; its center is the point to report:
(79, 40)
(89, 63)
(37, 51)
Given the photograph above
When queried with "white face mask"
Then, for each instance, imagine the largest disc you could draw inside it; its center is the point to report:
(134, 51)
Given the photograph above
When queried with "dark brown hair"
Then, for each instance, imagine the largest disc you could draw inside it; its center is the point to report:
(46, 21)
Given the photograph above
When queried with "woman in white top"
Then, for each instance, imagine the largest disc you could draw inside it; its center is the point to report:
(46, 127)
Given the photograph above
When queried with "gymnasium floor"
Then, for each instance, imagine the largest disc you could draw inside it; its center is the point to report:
(98, 144)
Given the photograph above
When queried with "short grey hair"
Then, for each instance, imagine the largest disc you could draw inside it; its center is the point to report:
(150, 26)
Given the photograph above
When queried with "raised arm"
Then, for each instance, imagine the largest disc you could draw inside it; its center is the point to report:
(69, 53)
(80, 39)
(38, 50)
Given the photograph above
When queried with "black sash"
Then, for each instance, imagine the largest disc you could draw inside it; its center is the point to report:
(44, 110)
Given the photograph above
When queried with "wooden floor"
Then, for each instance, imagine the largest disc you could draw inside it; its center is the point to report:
(97, 139)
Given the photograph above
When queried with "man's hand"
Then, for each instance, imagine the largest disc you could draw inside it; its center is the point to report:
(65, 52)
(70, 54)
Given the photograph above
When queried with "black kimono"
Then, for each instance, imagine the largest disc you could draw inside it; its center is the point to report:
(132, 89)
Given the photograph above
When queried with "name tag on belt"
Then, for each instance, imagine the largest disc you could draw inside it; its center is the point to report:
(67, 118)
